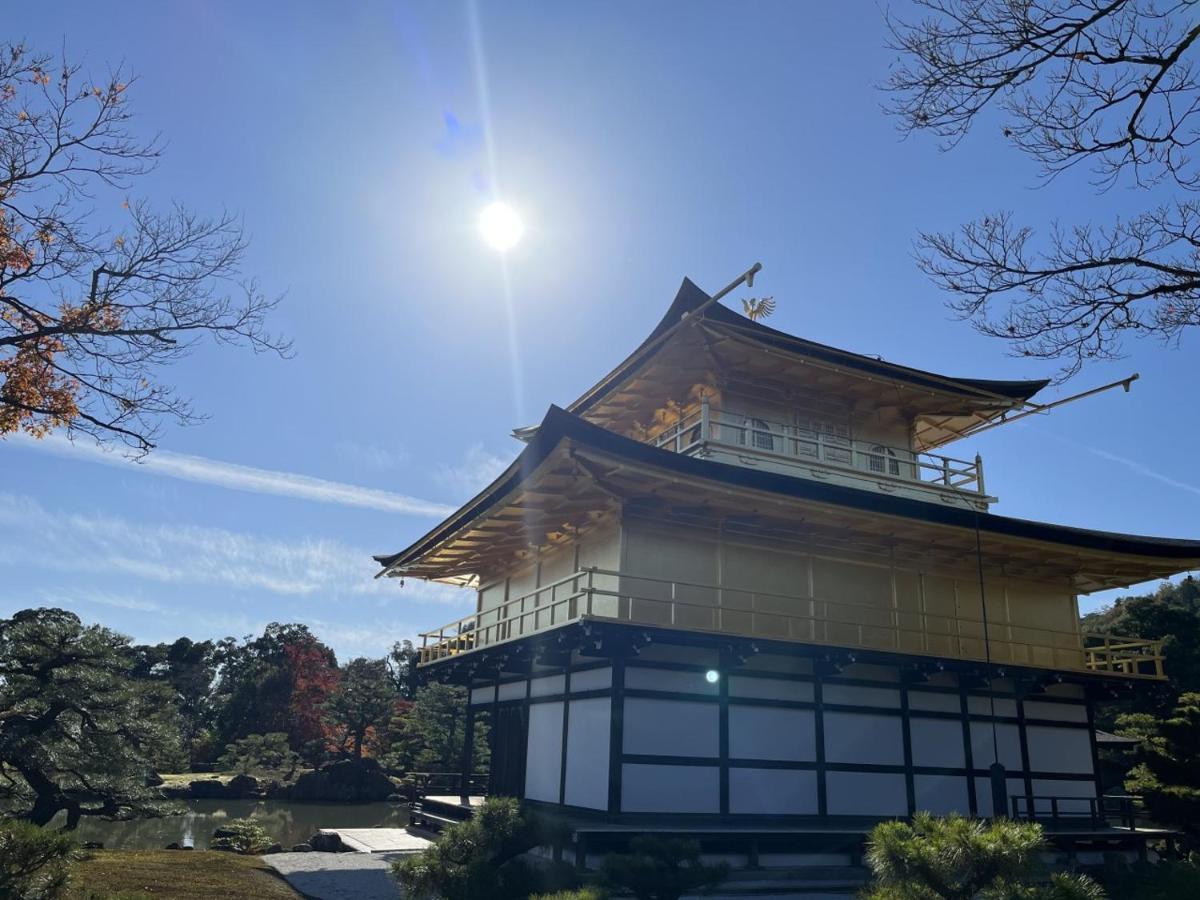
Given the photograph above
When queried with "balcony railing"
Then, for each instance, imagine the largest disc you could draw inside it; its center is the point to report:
(1116, 811)
(796, 444)
(621, 596)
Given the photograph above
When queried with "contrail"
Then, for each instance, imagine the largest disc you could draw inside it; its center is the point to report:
(238, 477)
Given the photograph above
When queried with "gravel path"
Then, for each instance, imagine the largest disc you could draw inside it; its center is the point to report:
(338, 876)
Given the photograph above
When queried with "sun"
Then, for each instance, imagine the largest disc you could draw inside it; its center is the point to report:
(501, 226)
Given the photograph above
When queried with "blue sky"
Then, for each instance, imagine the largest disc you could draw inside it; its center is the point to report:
(642, 143)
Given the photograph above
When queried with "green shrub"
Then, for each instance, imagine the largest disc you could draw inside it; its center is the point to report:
(260, 755)
(244, 836)
(661, 869)
(955, 858)
(34, 862)
(476, 858)
(1170, 880)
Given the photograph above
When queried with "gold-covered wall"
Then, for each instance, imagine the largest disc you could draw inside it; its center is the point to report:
(698, 580)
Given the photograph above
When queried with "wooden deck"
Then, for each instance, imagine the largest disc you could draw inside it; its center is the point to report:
(379, 840)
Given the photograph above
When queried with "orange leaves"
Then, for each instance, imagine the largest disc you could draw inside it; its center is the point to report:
(37, 398)
(13, 255)
(91, 316)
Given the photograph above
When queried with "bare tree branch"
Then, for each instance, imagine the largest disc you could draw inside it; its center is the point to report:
(1111, 84)
(90, 311)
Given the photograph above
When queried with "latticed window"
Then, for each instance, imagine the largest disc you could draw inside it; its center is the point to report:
(883, 460)
(757, 433)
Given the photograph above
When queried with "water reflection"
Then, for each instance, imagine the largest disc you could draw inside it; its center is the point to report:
(288, 823)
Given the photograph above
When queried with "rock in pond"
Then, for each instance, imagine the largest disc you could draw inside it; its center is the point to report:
(346, 780)
(326, 843)
(243, 786)
(208, 789)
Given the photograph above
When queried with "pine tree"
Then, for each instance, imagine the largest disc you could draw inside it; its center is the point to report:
(1167, 775)
(955, 858)
(78, 733)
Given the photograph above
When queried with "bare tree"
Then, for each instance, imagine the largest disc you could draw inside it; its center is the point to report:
(97, 294)
(1109, 84)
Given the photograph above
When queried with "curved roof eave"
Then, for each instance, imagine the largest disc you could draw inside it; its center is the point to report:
(559, 425)
(690, 297)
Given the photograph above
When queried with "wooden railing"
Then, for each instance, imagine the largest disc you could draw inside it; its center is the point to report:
(1098, 812)
(621, 596)
(794, 444)
(448, 783)
(1123, 655)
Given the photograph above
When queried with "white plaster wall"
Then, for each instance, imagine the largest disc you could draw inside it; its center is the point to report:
(865, 794)
(859, 738)
(547, 686)
(771, 689)
(1008, 738)
(681, 789)
(929, 700)
(937, 742)
(764, 732)
(941, 794)
(670, 727)
(483, 694)
(591, 680)
(668, 680)
(513, 690)
(1052, 788)
(772, 791)
(982, 706)
(983, 794)
(856, 695)
(1055, 712)
(587, 752)
(872, 672)
(1059, 749)
(543, 752)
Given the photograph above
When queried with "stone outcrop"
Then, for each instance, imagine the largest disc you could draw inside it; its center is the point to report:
(346, 781)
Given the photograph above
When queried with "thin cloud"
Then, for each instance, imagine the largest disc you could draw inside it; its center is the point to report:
(71, 597)
(1141, 469)
(372, 456)
(237, 477)
(1132, 464)
(165, 554)
(478, 468)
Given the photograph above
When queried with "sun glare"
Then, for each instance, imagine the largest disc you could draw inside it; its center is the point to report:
(501, 226)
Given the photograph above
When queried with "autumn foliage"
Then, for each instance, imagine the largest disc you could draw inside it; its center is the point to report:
(99, 292)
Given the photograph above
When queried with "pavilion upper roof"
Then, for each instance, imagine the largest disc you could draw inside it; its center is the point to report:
(667, 363)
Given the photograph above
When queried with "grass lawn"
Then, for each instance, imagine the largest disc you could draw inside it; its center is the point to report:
(186, 874)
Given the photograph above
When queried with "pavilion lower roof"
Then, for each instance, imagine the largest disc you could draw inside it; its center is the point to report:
(591, 476)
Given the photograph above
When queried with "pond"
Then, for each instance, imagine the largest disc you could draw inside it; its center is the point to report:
(288, 823)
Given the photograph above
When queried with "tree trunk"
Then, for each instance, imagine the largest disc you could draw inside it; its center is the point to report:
(44, 809)
(49, 799)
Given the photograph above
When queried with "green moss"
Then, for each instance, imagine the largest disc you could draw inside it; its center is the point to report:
(186, 875)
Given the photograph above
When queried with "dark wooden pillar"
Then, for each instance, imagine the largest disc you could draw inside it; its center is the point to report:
(466, 764)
